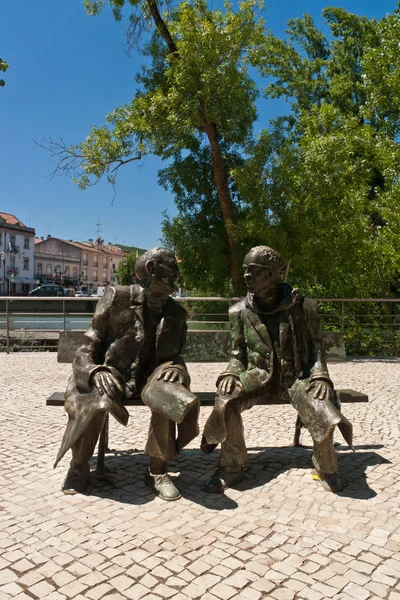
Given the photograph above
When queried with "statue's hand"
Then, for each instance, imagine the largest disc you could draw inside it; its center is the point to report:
(228, 384)
(322, 390)
(107, 384)
(172, 375)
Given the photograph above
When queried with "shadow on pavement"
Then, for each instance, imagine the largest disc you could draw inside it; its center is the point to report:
(125, 480)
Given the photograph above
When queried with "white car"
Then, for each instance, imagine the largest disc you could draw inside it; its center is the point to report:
(81, 295)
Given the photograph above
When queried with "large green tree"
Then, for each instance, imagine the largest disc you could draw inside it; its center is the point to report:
(327, 192)
(197, 90)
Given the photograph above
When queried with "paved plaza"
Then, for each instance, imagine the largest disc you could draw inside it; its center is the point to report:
(276, 535)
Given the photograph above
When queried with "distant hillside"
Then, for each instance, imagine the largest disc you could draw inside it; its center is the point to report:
(128, 249)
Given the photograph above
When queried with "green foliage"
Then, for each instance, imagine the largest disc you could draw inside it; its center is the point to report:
(125, 272)
(327, 175)
(3, 67)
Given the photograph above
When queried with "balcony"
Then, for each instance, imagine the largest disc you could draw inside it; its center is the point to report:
(13, 249)
(95, 279)
(85, 263)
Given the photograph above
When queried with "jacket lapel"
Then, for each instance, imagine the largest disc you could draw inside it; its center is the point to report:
(255, 322)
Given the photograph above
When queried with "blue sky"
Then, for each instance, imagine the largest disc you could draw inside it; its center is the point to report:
(67, 71)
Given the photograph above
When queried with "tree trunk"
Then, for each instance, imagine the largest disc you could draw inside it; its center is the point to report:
(224, 196)
(218, 167)
(161, 26)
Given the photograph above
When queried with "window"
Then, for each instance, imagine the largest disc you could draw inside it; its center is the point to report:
(95, 275)
(40, 269)
(48, 270)
(12, 242)
(95, 260)
(1, 238)
(104, 275)
(57, 270)
(75, 273)
(105, 263)
(26, 243)
(84, 259)
(12, 263)
(26, 264)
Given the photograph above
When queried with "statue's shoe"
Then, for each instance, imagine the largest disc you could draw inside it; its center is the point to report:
(162, 485)
(222, 479)
(331, 482)
(77, 480)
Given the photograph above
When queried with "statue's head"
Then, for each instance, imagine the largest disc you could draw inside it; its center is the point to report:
(263, 270)
(157, 270)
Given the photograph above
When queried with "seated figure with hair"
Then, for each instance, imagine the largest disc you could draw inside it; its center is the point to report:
(276, 353)
(133, 349)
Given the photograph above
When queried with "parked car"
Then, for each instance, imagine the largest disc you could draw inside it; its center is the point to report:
(81, 294)
(49, 289)
(70, 292)
(99, 292)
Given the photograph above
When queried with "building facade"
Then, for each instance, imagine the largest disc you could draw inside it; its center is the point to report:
(85, 265)
(57, 261)
(16, 256)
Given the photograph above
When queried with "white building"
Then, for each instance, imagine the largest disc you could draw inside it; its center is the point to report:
(16, 256)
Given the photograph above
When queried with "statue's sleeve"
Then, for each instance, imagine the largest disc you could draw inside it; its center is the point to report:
(89, 357)
(178, 359)
(319, 368)
(238, 356)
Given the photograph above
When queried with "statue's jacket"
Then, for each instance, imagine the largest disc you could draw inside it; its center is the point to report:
(116, 341)
(281, 365)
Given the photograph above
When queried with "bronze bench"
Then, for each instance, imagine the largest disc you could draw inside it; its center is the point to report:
(203, 346)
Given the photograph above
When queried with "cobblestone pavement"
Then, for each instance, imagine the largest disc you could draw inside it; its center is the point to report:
(277, 535)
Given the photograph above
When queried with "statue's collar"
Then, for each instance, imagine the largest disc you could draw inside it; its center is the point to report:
(287, 298)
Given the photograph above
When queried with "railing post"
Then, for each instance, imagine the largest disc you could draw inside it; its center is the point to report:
(342, 323)
(64, 314)
(7, 329)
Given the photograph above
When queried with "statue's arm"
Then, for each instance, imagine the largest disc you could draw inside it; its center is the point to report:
(89, 357)
(238, 356)
(320, 380)
(176, 370)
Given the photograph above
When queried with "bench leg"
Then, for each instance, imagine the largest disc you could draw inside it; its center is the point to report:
(297, 431)
(103, 447)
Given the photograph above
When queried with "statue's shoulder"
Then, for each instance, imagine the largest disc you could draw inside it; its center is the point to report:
(237, 308)
(122, 295)
(175, 309)
(135, 293)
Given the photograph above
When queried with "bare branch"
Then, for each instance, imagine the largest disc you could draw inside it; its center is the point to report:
(68, 160)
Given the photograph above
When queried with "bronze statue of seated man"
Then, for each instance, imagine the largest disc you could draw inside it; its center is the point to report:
(133, 349)
(276, 352)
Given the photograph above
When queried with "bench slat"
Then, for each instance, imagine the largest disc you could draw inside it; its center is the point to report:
(207, 398)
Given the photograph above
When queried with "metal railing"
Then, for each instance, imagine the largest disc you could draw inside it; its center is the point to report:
(369, 325)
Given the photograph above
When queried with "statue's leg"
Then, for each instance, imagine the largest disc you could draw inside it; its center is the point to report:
(77, 478)
(233, 451)
(297, 431)
(325, 463)
(161, 447)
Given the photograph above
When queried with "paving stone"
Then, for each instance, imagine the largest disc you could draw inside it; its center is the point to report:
(41, 589)
(356, 591)
(223, 591)
(98, 591)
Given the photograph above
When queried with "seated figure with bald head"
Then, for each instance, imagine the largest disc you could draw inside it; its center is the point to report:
(276, 353)
(132, 349)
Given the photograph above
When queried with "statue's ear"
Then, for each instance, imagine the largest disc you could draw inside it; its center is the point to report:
(150, 267)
